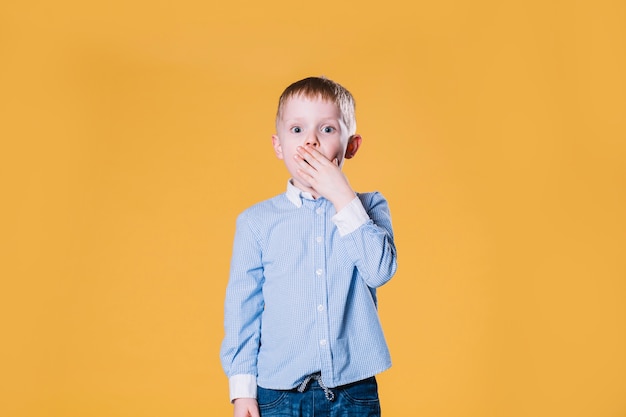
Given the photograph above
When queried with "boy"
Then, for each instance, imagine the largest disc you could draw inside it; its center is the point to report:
(303, 336)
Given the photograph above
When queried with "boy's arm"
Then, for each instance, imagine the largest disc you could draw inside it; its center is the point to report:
(242, 312)
(365, 227)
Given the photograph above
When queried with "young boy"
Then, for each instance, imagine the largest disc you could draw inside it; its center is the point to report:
(303, 336)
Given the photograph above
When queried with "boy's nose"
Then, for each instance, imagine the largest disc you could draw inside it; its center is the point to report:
(311, 139)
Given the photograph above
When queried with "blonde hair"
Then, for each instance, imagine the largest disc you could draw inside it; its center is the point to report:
(322, 87)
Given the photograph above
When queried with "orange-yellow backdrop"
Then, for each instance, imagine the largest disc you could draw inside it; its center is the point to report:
(133, 133)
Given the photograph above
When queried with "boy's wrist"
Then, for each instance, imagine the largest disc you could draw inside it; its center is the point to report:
(342, 198)
(341, 202)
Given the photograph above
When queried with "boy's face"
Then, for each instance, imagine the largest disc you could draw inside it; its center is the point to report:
(313, 122)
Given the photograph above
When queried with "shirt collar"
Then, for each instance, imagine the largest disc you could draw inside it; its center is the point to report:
(295, 195)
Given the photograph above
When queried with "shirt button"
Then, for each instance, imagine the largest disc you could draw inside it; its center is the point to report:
(323, 342)
(319, 272)
(320, 308)
(318, 239)
(319, 210)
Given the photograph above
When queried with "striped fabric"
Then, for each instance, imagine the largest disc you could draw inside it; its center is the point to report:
(301, 297)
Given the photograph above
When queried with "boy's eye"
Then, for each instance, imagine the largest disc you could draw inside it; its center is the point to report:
(296, 129)
(328, 129)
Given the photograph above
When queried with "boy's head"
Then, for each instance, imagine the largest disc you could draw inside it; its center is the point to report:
(316, 113)
(327, 90)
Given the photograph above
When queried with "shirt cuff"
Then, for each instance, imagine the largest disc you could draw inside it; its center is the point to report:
(242, 386)
(351, 217)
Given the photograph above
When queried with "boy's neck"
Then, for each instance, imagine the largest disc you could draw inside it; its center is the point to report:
(307, 191)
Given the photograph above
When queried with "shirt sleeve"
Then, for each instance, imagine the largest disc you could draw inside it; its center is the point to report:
(242, 312)
(351, 217)
(242, 386)
(371, 245)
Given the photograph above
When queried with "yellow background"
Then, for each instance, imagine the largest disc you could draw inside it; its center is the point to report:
(133, 133)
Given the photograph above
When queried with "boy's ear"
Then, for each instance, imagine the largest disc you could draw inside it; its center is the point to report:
(278, 150)
(354, 143)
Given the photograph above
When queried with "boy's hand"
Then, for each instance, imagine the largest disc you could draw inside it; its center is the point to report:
(246, 407)
(324, 176)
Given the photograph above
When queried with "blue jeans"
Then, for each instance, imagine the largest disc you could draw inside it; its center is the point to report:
(359, 399)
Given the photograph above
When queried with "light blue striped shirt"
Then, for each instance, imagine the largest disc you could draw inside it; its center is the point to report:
(301, 297)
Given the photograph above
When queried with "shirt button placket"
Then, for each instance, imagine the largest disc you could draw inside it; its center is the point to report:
(321, 288)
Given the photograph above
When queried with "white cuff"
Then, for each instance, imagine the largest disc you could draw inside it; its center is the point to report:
(242, 386)
(351, 217)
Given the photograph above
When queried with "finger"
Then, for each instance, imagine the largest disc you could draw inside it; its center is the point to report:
(306, 176)
(307, 158)
(306, 153)
(304, 164)
(314, 155)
